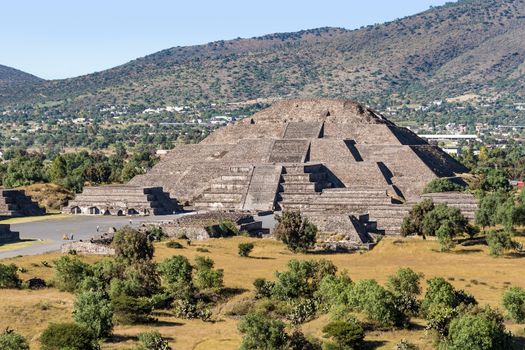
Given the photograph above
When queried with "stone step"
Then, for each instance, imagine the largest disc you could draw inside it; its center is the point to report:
(300, 186)
(217, 205)
(234, 178)
(222, 197)
(229, 186)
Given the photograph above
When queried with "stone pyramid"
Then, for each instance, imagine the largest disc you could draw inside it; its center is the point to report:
(321, 156)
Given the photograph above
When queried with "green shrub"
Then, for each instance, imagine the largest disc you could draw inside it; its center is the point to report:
(263, 288)
(155, 233)
(514, 303)
(228, 228)
(377, 303)
(9, 276)
(405, 287)
(442, 185)
(137, 280)
(206, 277)
(245, 249)
(202, 250)
(176, 269)
(302, 311)
(444, 215)
(501, 241)
(296, 232)
(345, 334)
(70, 336)
(174, 245)
(413, 223)
(131, 310)
(261, 332)
(405, 345)
(479, 331)
(69, 273)
(132, 245)
(94, 311)
(9, 340)
(441, 292)
(302, 279)
(152, 341)
(333, 290)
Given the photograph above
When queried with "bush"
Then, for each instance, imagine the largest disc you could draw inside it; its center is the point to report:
(482, 331)
(514, 303)
(132, 245)
(405, 287)
(9, 276)
(302, 278)
(69, 273)
(378, 304)
(137, 280)
(333, 290)
(345, 334)
(444, 215)
(501, 241)
(206, 276)
(442, 185)
(296, 232)
(94, 311)
(261, 332)
(441, 292)
(130, 310)
(155, 233)
(302, 311)
(176, 269)
(70, 336)
(174, 245)
(152, 341)
(405, 345)
(245, 249)
(413, 223)
(189, 309)
(228, 228)
(9, 340)
(263, 288)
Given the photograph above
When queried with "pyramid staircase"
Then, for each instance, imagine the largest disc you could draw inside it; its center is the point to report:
(15, 203)
(226, 192)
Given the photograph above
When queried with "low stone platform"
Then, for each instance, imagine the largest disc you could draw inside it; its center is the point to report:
(122, 200)
(207, 225)
(466, 202)
(15, 203)
(8, 236)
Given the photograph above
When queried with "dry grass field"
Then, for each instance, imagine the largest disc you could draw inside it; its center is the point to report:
(469, 268)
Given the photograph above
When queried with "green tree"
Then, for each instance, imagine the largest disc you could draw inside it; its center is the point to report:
(377, 303)
(480, 331)
(413, 223)
(9, 340)
(405, 286)
(70, 336)
(206, 277)
(9, 276)
(296, 232)
(261, 332)
(514, 303)
(443, 214)
(245, 249)
(69, 273)
(442, 185)
(501, 241)
(94, 311)
(345, 334)
(176, 270)
(132, 245)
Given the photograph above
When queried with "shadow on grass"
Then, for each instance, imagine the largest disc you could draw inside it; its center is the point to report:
(260, 257)
(466, 251)
(231, 292)
(518, 342)
(373, 344)
(119, 338)
(164, 323)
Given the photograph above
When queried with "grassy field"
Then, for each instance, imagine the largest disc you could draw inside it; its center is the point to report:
(469, 268)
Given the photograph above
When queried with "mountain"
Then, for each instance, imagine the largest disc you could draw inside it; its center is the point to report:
(470, 46)
(10, 75)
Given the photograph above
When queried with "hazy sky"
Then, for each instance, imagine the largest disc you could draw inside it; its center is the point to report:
(64, 38)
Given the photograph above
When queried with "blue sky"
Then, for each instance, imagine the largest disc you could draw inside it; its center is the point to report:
(65, 38)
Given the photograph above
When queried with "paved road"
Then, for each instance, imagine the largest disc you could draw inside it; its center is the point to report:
(81, 227)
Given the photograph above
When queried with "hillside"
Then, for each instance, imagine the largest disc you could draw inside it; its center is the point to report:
(10, 75)
(472, 46)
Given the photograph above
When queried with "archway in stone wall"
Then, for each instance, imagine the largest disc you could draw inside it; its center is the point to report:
(132, 211)
(146, 211)
(76, 210)
(94, 211)
(106, 212)
(120, 213)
